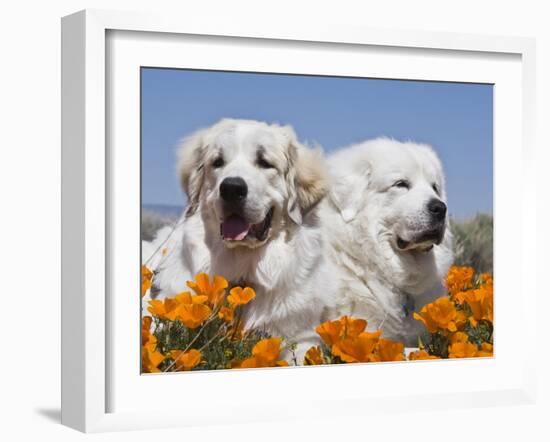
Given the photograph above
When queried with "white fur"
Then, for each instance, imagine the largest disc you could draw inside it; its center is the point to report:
(363, 218)
(288, 270)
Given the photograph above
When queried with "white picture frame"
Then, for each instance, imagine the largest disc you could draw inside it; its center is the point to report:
(87, 207)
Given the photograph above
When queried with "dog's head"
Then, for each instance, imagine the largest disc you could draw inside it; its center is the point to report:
(393, 195)
(251, 178)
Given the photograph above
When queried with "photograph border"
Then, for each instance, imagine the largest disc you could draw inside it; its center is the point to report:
(85, 199)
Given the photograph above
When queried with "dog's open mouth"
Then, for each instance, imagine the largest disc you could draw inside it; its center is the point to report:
(424, 242)
(235, 228)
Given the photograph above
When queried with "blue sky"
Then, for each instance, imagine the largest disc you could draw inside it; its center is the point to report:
(455, 118)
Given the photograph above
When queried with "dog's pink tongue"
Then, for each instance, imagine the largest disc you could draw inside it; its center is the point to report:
(235, 228)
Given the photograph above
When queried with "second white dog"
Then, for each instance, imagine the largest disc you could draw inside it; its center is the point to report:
(386, 220)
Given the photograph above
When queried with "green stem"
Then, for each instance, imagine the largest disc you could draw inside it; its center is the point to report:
(212, 317)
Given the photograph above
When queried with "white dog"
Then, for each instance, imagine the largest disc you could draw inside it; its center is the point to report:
(253, 194)
(386, 220)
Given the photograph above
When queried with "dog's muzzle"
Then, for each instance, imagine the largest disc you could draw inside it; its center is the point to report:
(236, 228)
(424, 240)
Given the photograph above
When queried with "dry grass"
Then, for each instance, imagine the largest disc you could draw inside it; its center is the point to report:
(474, 242)
(151, 222)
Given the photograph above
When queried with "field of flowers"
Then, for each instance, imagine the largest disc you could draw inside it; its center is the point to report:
(202, 329)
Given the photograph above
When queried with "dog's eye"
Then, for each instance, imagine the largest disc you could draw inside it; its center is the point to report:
(435, 188)
(402, 184)
(264, 164)
(218, 162)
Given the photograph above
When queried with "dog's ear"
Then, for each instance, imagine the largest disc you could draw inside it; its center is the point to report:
(307, 178)
(348, 190)
(191, 168)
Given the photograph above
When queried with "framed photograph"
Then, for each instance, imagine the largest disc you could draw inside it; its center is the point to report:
(300, 219)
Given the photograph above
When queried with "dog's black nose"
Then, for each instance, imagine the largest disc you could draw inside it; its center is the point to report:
(233, 189)
(437, 209)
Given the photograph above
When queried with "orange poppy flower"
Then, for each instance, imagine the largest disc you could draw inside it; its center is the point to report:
(389, 351)
(332, 332)
(462, 350)
(313, 356)
(486, 279)
(169, 308)
(265, 354)
(226, 314)
(187, 298)
(146, 330)
(156, 308)
(486, 350)
(240, 296)
(186, 361)
(150, 357)
(267, 350)
(192, 315)
(481, 304)
(351, 327)
(146, 280)
(421, 355)
(213, 291)
(439, 315)
(459, 279)
(460, 297)
(165, 309)
(459, 337)
(461, 319)
(357, 349)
